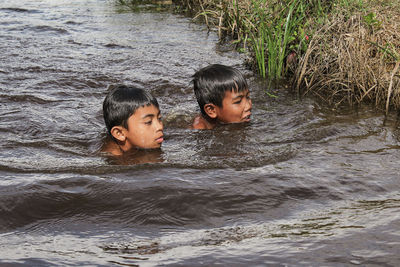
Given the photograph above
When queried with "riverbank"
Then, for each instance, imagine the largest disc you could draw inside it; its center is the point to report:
(343, 52)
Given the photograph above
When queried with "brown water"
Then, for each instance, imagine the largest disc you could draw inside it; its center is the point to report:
(300, 185)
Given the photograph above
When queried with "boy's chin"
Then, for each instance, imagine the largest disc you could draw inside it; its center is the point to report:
(154, 147)
(236, 122)
(150, 148)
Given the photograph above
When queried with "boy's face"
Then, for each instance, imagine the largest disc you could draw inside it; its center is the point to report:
(236, 107)
(145, 128)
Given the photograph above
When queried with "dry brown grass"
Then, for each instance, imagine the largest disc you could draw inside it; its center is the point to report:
(349, 61)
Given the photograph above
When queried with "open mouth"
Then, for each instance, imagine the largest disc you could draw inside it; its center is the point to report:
(247, 118)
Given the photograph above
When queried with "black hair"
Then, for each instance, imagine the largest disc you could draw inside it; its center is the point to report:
(122, 102)
(211, 83)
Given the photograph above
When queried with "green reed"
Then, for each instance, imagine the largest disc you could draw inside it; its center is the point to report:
(278, 37)
(275, 32)
(258, 37)
(273, 28)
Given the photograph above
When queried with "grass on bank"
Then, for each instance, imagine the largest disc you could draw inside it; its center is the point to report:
(345, 52)
(354, 57)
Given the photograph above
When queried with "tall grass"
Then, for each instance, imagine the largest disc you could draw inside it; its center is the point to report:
(273, 28)
(342, 51)
(258, 38)
(279, 36)
(354, 57)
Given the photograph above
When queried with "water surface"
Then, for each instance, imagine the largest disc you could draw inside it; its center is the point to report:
(299, 185)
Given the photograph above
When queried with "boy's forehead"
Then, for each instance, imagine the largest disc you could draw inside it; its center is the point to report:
(146, 110)
(237, 91)
(231, 94)
(146, 106)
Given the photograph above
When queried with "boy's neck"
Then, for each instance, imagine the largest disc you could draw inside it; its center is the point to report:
(112, 146)
(203, 122)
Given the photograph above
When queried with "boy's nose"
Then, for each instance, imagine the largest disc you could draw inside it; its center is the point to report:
(159, 126)
(248, 105)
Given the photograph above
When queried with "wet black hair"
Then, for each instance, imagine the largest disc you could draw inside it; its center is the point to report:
(211, 83)
(122, 102)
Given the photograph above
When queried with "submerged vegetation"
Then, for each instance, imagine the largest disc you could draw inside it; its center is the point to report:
(346, 52)
(140, 5)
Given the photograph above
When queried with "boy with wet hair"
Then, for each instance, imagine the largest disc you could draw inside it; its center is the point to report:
(223, 96)
(133, 120)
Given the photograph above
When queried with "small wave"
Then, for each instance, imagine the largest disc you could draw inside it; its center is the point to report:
(329, 223)
(112, 45)
(45, 28)
(19, 10)
(70, 22)
(142, 201)
(27, 98)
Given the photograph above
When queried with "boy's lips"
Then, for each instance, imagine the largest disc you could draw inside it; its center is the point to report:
(160, 139)
(247, 118)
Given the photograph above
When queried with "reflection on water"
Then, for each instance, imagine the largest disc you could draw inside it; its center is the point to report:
(298, 185)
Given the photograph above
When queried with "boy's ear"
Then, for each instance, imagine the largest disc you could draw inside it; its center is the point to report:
(210, 110)
(118, 133)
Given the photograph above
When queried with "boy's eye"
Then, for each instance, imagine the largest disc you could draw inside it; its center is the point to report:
(238, 101)
(147, 122)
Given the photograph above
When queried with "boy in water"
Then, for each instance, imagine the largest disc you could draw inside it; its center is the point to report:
(133, 120)
(223, 96)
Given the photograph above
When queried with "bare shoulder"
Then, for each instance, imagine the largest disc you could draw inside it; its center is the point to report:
(200, 123)
(111, 147)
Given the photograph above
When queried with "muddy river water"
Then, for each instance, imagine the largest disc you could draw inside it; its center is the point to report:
(300, 185)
